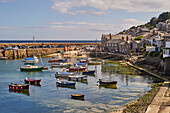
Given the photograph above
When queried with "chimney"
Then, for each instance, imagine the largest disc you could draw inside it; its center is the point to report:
(110, 36)
(149, 36)
(127, 38)
(123, 39)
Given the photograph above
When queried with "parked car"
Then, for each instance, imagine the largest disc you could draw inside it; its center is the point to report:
(8, 48)
(15, 48)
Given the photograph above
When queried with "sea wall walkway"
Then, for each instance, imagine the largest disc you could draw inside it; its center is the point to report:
(161, 102)
(146, 71)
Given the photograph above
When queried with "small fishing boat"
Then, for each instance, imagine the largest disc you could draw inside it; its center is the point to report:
(45, 68)
(29, 63)
(64, 74)
(84, 60)
(55, 60)
(32, 60)
(32, 81)
(18, 87)
(59, 65)
(83, 77)
(31, 68)
(94, 63)
(77, 68)
(3, 58)
(87, 72)
(80, 64)
(65, 83)
(106, 82)
(77, 96)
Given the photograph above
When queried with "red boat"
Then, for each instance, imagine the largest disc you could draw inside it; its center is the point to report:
(77, 68)
(18, 87)
(32, 81)
(50, 61)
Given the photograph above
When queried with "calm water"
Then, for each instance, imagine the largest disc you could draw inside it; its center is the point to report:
(50, 98)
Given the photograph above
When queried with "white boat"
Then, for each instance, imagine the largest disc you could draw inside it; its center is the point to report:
(82, 77)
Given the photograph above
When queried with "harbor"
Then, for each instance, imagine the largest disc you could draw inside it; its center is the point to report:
(48, 96)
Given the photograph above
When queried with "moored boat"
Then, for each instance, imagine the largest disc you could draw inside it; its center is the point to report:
(59, 65)
(77, 68)
(3, 58)
(77, 77)
(87, 72)
(31, 68)
(63, 74)
(84, 60)
(106, 82)
(77, 96)
(32, 81)
(65, 83)
(18, 87)
(94, 63)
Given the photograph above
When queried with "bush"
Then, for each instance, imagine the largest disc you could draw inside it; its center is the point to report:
(138, 37)
(146, 53)
(151, 53)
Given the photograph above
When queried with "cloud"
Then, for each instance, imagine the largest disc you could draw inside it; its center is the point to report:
(127, 23)
(102, 6)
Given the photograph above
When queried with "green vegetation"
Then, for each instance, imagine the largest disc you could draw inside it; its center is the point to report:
(141, 104)
(138, 37)
(154, 21)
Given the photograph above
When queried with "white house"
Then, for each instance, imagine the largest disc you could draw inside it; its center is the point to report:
(166, 50)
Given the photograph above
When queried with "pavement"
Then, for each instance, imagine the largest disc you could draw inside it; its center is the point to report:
(161, 101)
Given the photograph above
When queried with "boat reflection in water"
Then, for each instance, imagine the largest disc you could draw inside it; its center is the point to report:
(108, 86)
(70, 87)
(34, 84)
(26, 92)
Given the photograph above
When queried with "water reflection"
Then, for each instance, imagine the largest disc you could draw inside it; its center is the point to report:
(108, 86)
(26, 92)
(70, 87)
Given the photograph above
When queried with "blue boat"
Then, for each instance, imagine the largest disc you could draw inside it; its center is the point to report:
(86, 72)
(63, 74)
(82, 64)
(65, 83)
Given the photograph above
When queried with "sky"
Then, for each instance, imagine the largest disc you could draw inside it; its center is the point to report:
(74, 19)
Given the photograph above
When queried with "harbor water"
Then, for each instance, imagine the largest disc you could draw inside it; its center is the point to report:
(48, 98)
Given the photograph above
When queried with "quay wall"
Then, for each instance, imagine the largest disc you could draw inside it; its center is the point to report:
(107, 55)
(23, 53)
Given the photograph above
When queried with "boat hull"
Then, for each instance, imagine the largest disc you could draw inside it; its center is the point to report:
(18, 87)
(94, 63)
(76, 69)
(86, 72)
(77, 78)
(32, 81)
(62, 83)
(31, 69)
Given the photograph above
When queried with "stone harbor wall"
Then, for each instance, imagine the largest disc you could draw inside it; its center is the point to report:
(23, 53)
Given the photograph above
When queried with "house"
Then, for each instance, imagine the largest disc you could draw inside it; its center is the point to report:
(166, 50)
(110, 42)
(124, 47)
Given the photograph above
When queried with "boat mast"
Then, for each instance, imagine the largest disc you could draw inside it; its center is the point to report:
(33, 47)
(38, 52)
(96, 49)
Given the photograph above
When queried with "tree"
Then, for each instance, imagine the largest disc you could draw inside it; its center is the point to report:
(164, 16)
(153, 21)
